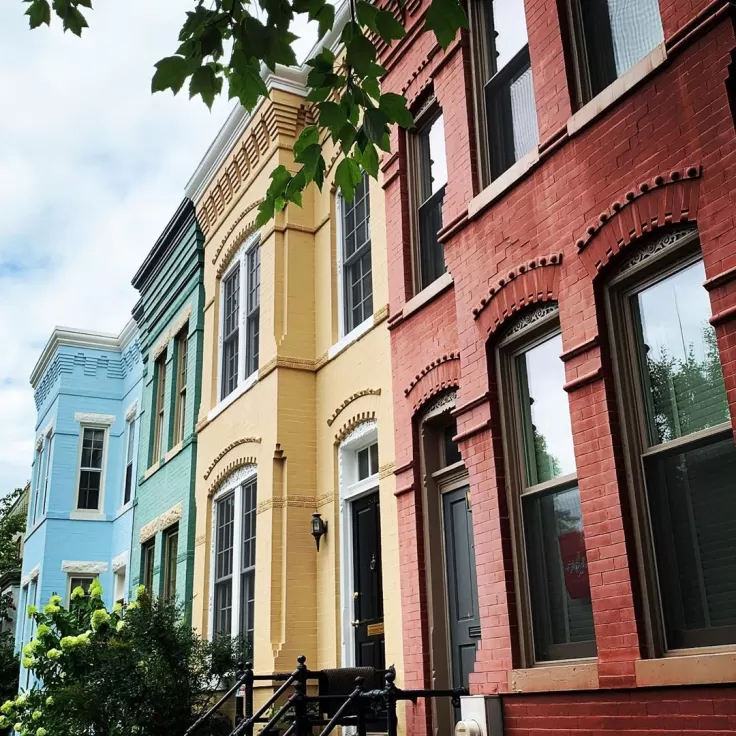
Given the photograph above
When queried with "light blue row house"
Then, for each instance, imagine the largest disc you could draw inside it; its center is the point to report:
(87, 388)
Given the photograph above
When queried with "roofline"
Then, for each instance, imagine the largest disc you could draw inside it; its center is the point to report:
(75, 337)
(171, 235)
(285, 78)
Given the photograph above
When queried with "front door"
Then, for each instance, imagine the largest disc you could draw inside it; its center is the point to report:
(368, 583)
(462, 589)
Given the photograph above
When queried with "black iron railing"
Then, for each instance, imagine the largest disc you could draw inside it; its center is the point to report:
(301, 713)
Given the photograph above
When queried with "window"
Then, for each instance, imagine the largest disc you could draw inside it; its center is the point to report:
(119, 585)
(253, 309)
(431, 178)
(543, 489)
(368, 461)
(40, 474)
(450, 452)
(148, 563)
(357, 278)
(171, 551)
(240, 347)
(248, 562)
(158, 432)
(32, 601)
(182, 359)
(47, 474)
(507, 112)
(80, 581)
(683, 458)
(230, 331)
(234, 561)
(90, 468)
(129, 460)
(608, 38)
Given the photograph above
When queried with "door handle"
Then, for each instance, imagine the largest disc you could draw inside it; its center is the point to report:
(356, 623)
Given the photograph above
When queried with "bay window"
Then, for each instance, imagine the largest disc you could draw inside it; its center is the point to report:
(89, 486)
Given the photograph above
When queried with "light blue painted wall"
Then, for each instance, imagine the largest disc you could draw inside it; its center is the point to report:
(79, 373)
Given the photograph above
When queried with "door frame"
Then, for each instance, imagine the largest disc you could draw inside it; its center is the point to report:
(361, 437)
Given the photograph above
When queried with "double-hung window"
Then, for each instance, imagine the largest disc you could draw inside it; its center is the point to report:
(429, 187)
(608, 37)
(182, 361)
(148, 564)
(240, 318)
(507, 112)
(234, 562)
(553, 578)
(80, 581)
(357, 276)
(171, 552)
(129, 460)
(682, 457)
(89, 489)
(159, 439)
(41, 480)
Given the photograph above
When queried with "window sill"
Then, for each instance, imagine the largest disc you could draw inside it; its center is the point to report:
(504, 182)
(611, 94)
(687, 669)
(581, 675)
(353, 336)
(427, 294)
(233, 397)
(85, 515)
(124, 509)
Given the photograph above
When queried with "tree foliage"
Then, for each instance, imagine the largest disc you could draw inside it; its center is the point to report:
(226, 42)
(10, 526)
(136, 670)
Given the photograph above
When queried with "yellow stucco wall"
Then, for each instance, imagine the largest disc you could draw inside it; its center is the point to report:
(291, 421)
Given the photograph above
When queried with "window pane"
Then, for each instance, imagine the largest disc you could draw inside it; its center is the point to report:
(172, 551)
(452, 451)
(82, 583)
(636, 28)
(523, 114)
(363, 471)
(545, 413)
(223, 607)
(373, 452)
(434, 159)
(89, 489)
(431, 251)
(692, 500)
(509, 26)
(562, 613)
(224, 542)
(683, 376)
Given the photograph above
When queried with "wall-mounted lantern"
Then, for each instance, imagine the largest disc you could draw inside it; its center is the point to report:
(319, 527)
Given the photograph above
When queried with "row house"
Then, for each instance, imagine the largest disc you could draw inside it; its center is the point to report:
(169, 315)
(562, 293)
(87, 388)
(295, 438)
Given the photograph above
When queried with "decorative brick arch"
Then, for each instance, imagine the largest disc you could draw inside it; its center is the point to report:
(227, 471)
(437, 376)
(354, 421)
(667, 199)
(228, 251)
(533, 282)
(225, 450)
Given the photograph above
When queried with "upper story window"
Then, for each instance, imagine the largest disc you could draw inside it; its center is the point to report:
(240, 318)
(542, 481)
(429, 191)
(248, 561)
(159, 440)
(182, 363)
(43, 468)
(608, 38)
(682, 457)
(129, 460)
(89, 488)
(171, 552)
(505, 104)
(368, 461)
(355, 257)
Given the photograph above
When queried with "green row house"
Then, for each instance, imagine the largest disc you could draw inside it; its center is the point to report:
(169, 315)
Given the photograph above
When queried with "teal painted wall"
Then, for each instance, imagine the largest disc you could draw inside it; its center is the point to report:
(170, 283)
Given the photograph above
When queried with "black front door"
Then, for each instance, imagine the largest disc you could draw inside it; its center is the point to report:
(368, 594)
(462, 588)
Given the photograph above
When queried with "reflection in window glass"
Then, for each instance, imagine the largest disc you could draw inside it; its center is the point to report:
(546, 414)
(434, 157)
(636, 28)
(368, 461)
(510, 33)
(562, 612)
(678, 346)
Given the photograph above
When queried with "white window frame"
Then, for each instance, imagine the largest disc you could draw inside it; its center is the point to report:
(121, 574)
(130, 431)
(78, 575)
(32, 600)
(100, 511)
(233, 485)
(49, 442)
(240, 259)
(352, 489)
(40, 455)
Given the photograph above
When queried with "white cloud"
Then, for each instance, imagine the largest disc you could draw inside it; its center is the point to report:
(92, 166)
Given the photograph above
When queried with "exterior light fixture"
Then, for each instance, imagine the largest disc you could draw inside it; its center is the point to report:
(319, 528)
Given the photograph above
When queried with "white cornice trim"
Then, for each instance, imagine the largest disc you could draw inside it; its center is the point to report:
(86, 417)
(83, 566)
(131, 412)
(287, 79)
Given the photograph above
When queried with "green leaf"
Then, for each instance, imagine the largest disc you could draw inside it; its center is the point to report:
(326, 19)
(372, 87)
(308, 6)
(389, 29)
(347, 135)
(319, 94)
(265, 212)
(206, 84)
(394, 107)
(367, 14)
(245, 81)
(313, 163)
(280, 177)
(369, 160)
(171, 73)
(331, 116)
(347, 177)
(308, 137)
(445, 18)
(374, 125)
(39, 13)
(74, 21)
(361, 53)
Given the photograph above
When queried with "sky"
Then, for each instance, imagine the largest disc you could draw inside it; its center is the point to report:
(92, 167)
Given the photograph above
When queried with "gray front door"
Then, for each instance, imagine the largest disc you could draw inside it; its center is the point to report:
(462, 588)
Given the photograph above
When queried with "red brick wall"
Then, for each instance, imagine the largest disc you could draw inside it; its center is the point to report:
(678, 120)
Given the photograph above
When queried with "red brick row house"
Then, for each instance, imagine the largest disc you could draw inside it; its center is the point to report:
(564, 365)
